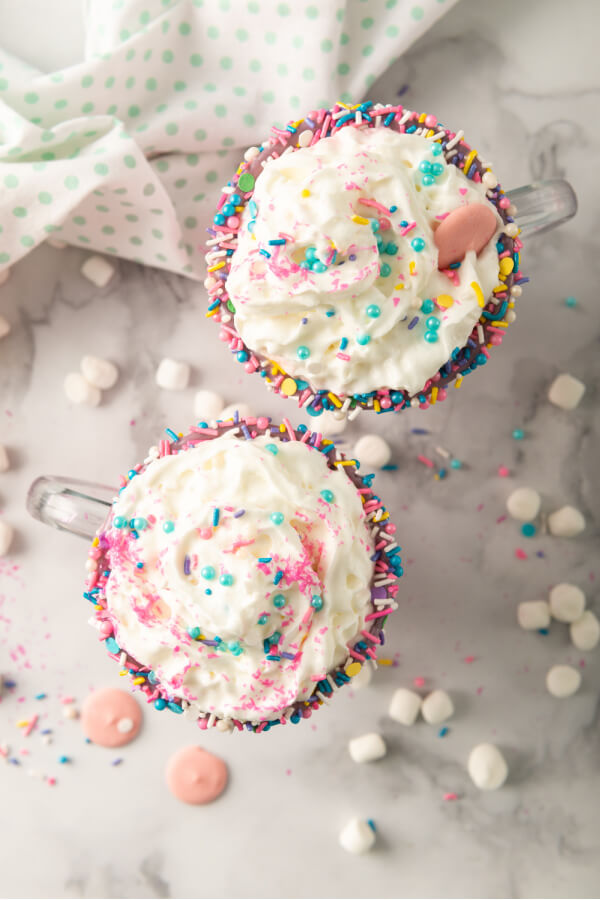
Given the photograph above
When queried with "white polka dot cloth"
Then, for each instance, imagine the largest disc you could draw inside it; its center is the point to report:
(123, 154)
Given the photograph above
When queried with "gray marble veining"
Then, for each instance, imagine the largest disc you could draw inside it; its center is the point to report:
(523, 81)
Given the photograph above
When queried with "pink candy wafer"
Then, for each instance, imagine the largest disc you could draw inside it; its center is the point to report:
(196, 776)
(111, 717)
(466, 228)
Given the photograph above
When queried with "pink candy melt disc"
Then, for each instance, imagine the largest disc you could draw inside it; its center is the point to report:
(466, 228)
(111, 717)
(196, 776)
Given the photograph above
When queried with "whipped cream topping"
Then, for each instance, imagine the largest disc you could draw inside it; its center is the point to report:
(250, 574)
(357, 321)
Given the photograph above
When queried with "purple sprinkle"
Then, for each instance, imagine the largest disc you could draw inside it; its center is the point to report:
(240, 512)
(419, 431)
(9, 684)
(209, 643)
(117, 761)
(382, 638)
(236, 417)
(247, 434)
(522, 280)
(249, 726)
(304, 321)
(376, 556)
(402, 90)
(287, 655)
(352, 257)
(413, 322)
(309, 122)
(378, 593)
(186, 566)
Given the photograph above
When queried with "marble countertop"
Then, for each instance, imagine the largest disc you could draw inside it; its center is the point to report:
(523, 81)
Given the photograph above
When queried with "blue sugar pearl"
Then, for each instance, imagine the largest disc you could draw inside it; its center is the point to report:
(316, 602)
(305, 264)
(263, 620)
(433, 322)
(373, 311)
(236, 200)
(295, 717)
(242, 356)
(160, 703)
(208, 592)
(228, 210)
(311, 253)
(318, 266)
(302, 352)
(208, 572)
(403, 223)
(528, 529)
(431, 337)
(455, 464)
(330, 313)
(328, 496)
(119, 522)
(278, 601)
(374, 225)
(393, 209)
(391, 249)
(518, 434)
(436, 150)
(418, 244)
(194, 633)
(234, 646)
(363, 339)
(226, 580)
(425, 167)
(427, 306)
(437, 169)
(153, 678)
(168, 527)
(385, 270)
(139, 565)
(139, 523)
(428, 180)
(277, 518)
(219, 219)
(571, 302)
(272, 449)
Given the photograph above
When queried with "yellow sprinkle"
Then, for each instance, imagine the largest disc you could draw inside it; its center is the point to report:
(499, 288)
(305, 192)
(326, 443)
(239, 209)
(22, 723)
(275, 369)
(124, 672)
(343, 105)
(353, 669)
(478, 294)
(96, 541)
(458, 383)
(507, 265)
(411, 267)
(399, 287)
(444, 300)
(218, 265)
(430, 133)
(422, 117)
(335, 400)
(360, 220)
(433, 397)
(288, 387)
(376, 405)
(139, 680)
(500, 324)
(385, 516)
(469, 160)
(282, 428)
(345, 462)
(212, 312)
(385, 662)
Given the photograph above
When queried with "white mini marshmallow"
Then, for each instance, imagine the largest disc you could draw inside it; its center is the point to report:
(566, 391)
(404, 706)
(98, 270)
(357, 836)
(6, 536)
(533, 614)
(56, 243)
(566, 522)
(563, 681)
(363, 678)
(79, 391)
(567, 602)
(4, 460)
(244, 411)
(330, 424)
(4, 275)
(367, 747)
(100, 372)
(172, 375)
(437, 707)
(585, 632)
(524, 504)
(487, 767)
(371, 450)
(5, 327)
(208, 405)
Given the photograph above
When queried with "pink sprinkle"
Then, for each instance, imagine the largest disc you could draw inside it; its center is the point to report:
(419, 681)
(426, 461)
(67, 700)
(51, 781)
(520, 554)
(408, 228)
(343, 356)
(503, 471)
(469, 659)
(479, 690)
(501, 519)
(31, 725)
(451, 796)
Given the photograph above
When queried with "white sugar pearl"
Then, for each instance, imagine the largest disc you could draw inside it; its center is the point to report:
(566, 522)
(251, 153)
(367, 747)
(98, 270)
(533, 614)
(510, 316)
(357, 836)
(100, 372)
(4, 275)
(516, 291)
(5, 327)
(487, 767)
(566, 391)
(221, 724)
(371, 450)
(56, 243)
(208, 405)
(244, 411)
(585, 632)
(79, 391)
(329, 424)
(512, 210)
(567, 602)
(563, 681)
(489, 180)
(524, 504)
(437, 707)
(124, 725)
(511, 229)
(172, 375)
(6, 536)
(69, 712)
(363, 678)
(4, 460)
(404, 706)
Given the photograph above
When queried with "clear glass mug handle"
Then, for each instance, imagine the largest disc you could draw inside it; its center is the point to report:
(66, 504)
(543, 205)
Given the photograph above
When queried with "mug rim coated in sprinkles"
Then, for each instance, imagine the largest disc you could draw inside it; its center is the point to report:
(362, 648)
(496, 310)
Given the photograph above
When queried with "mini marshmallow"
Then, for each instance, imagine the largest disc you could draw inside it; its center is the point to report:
(524, 504)
(4, 275)
(172, 375)
(6, 536)
(98, 270)
(244, 411)
(363, 678)
(4, 460)
(357, 836)
(5, 327)
(367, 747)
(208, 405)
(563, 681)
(404, 706)
(585, 632)
(79, 391)
(533, 614)
(330, 423)
(567, 602)
(437, 707)
(101, 373)
(487, 767)
(371, 450)
(566, 522)
(566, 391)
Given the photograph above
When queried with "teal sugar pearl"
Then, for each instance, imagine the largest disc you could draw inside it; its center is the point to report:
(433, 323)
(374, 225)
(279, 601)
(208, 572)
(363, 339)
(427, 306)
(327, 496)
(168, 526)
(119, 522)
(571, 302)
(418, 244)
(518, 434)
(436, 150)
(437, 169)
(391, 249)
(455, 464)
(226, 580)
(431, 337)
(318, 266)
(425, 166)
(139, 523)
(277, 518)
(194, 633)
(385, 270)
(311, 253)
(373, 311)
(428, 180)
(302, 352)
(316, 602)
(528, 529)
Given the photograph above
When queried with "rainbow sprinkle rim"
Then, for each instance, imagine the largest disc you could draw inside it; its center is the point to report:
(384, 586)
(496, 313)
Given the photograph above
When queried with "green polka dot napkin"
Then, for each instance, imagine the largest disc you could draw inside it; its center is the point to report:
(124, 152)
